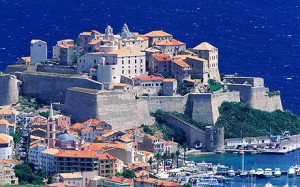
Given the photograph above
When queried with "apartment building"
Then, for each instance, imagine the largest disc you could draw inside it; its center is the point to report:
(7, 173)
(6, 146)
(8, 114)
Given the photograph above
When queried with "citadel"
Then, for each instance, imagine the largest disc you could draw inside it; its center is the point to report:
(103, 89)
(122, 78)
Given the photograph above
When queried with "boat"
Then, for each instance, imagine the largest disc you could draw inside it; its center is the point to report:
(204, 182)
(252, 172)
(259, 173)
(268, 173)
(268, 185)
(277, 172)
(243, 172)
(231, 173)
(291, 172)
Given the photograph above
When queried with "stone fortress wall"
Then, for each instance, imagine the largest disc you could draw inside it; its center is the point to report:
(49, 87)
(9, 89)
(120, 109)
(253, 92)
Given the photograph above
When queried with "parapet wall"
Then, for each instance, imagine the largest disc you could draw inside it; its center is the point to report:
(120, 109)
(56, 69)
(192, 134)
(49, 87)
(9, 89)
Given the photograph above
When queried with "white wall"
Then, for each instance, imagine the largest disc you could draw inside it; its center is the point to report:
(38, 52)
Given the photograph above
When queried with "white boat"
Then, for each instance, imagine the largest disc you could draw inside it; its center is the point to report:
(291, 172)
(252, 172)
(277, 172)
(231, 173)
(268, 172)
(268, 185)
(243, 172)
(259, 173)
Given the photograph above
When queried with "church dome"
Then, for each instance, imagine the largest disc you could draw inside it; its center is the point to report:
(66, 137)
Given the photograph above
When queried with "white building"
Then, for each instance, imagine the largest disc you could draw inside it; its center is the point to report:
(6, 146)
(7, 127)
(165, 146)
(48, 160)
(38, 51)
(7, 172)
(113, 64)
(35, 155)
(210, 53)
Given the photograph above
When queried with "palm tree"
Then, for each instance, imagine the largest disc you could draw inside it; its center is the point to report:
(177, 153)
(165, 156)
(172, 157)
(157, 157)
(184, 151)
(150, 161)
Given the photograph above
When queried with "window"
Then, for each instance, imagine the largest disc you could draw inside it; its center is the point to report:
(128, 71)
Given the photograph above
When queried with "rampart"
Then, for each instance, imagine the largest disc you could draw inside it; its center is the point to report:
(192, 134)
(9, 89)
(49, 87)
(57, 69)
(118, 108)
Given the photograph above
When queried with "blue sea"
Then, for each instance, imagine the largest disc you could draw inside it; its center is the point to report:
(255, 161)
(255, 38)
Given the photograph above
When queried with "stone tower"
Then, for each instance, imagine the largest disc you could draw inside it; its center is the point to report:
(108, 32)
(51, 130)
(9, 89)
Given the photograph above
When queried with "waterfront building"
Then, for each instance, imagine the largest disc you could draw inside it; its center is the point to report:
(180, 70)
(6, 146)
(8, 114)
(157, 36)
(7, 172)
(24, 61)
(165, 147)
(66, 52)
(170, 46)
(210, 53)
(38, 51)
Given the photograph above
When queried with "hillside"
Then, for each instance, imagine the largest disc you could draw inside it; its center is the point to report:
(237, 116)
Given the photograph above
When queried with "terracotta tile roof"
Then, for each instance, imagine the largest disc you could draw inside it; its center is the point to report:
(71, 175)
(9, 161)
(79, 154)
(141, 173)
(103, 146)
(204, 46)
(94, 42)
(161, 57)
(181, 63)
(86, 33)
(50, 151)
(26, 59)
(120, 180)
(167, 143)
(107, 156)
(99, 138)
(152, 137)
(110, 133)
(77, 126)
(5, 122)
(149, 78)
(5, 138)
(120, 84)
(160, 33)
(146, 153)
(57, 184)
(144, 37)
(96, 32)
(87, 130)
(38, 119)
(169, 42)
(196, 58)
(92, 121)
(169, 80)
(157, 182)
(66, 46)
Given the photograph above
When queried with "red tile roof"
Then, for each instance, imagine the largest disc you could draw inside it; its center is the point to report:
(149, 78)
(181, 63)
(120, 180)
(161, 57)
(78, 154)
(169, 42)
(157, 34)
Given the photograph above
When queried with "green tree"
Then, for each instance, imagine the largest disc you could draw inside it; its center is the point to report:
(172, 157)
(128, 174)
(26, 175)
(150, 161)
(158, 158)
(177, 153)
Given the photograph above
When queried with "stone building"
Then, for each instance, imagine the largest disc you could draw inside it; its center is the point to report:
(170, 46)
(8, 114)
(85, 38)
(210, 53)
(38, 51)
(66, 52)
(157, 36)
(7, 172)
(9, 91)
(169, 87)
(150, 84)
